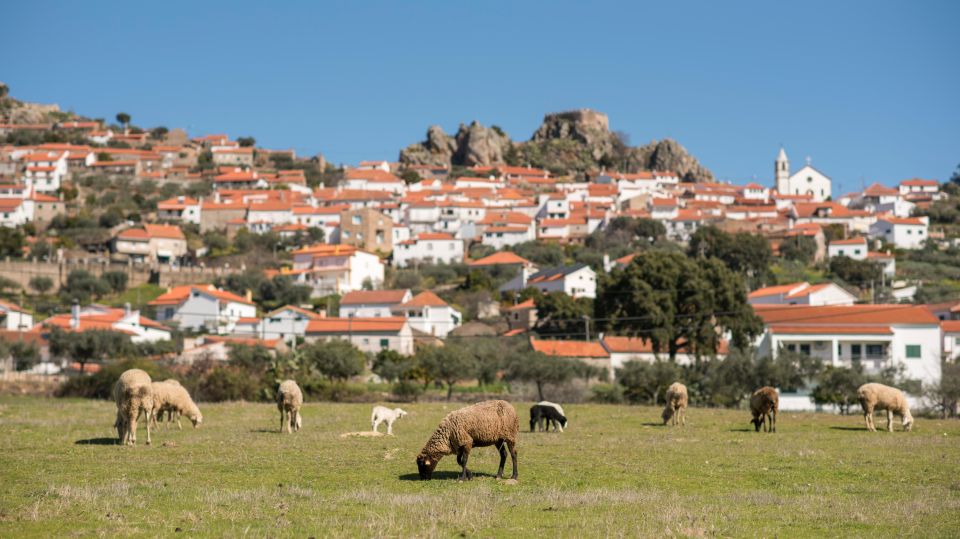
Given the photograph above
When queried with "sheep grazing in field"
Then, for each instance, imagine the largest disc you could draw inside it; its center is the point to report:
(174, 399)
(383, 414)
(483, 424)
(289, 401)
(764, 404)
(133, 394)
(675, 407)
(547, 413)
(880, 397)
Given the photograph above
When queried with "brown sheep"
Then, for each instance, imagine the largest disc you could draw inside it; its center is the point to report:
(764, 403)
(483, 424)
(675, 407)
(880, 397)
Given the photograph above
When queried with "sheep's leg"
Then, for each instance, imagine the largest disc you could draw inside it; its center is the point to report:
(513, 457)
(773, 420)
(867, 419)
(502, 448)
(389, 428)
(683, 416)
(462, 457)
(376, 424)
(149, 412)
(889, 420)
(283, 421)
(179, 424)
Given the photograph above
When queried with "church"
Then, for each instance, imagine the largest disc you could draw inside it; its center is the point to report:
(806, 181)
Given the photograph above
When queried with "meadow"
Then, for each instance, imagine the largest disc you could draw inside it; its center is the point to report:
(614, 472)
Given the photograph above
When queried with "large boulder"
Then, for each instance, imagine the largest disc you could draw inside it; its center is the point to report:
(668, 154)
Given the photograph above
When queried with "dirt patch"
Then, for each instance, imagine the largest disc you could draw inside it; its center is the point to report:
(362, 434)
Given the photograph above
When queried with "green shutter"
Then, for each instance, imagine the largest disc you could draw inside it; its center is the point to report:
(913, 351)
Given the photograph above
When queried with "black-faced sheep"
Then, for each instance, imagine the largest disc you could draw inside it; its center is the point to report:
(383, 414)
(764, 404)
(880, 397)
(289, 401)
(133, 395)
(483, 424)
(549, 414)
(675, 405)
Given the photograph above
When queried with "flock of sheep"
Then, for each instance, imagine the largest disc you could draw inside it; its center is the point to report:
(489, 423)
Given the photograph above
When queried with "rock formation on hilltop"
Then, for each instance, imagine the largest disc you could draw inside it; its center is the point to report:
(573, 142)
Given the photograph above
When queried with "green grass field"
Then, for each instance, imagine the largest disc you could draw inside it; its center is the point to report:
(615, 472)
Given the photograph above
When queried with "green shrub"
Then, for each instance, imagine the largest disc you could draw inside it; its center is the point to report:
(100, 385)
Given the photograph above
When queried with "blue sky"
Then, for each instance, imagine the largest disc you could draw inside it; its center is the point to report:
(869, 90)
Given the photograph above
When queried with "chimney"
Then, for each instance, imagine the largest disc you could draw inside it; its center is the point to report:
(606, 263)
(248, 295)
(322, 313)
(75, 315)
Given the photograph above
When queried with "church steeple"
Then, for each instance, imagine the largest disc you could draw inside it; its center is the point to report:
(782, 172)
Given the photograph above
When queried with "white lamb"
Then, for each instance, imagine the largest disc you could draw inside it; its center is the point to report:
(381, 414)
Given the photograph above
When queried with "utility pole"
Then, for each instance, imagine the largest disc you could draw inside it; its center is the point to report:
(586, 321)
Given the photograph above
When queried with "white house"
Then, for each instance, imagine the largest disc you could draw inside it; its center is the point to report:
(14, 212)
(578, 281)
(428, 248)
(855, 248)
(428, 313)
(624, 349)
(806, 181)
(368, 334)
(802, 294)
(951, 338)
(152, 243)
(287, 323)
(181, 208)
(14, 318)
(905, 233)
(204, 307)
(372, 303)
(98, 317)
(873, 336)
(373, 179)
(917, 186)
(45, 170)
(336, 269)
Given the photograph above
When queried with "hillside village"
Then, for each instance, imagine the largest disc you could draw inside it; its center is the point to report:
(579, 260)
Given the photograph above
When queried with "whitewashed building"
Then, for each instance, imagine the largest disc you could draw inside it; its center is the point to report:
(204, 307)
(905, 233)
(806, 181)
(427, 313)
(428, 248)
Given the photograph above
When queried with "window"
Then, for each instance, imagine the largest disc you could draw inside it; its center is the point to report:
(791, 348)
(805, 349)
(356, 219)
(913, 351)
(384, 343)
(855, 351)
(366, 340)
(809, 179)
(856, 251)
(875, 351)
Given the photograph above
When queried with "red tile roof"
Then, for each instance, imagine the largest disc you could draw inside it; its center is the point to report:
(573, 349)
(832, 317)
(425, 299)
(179, 294)
(506, 258)
(393, 324)
(368, 297)
(851, 241)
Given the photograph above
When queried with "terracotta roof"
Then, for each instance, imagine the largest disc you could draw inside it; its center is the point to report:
(179, 294)
(435, 236)
(323, 249)
(367, 297)
(851, 241)
(164, 231)
(916, 182)
(294, 308)
(782, 329)
(392, 324)
(500, 258)
(776, 290)
(522, 306)
(637, 345)
(371, 175)
(245, 341)
(877, 190)
(950, 326)
(833, 317)
(425, 299)
(572, 349)
(903, 221)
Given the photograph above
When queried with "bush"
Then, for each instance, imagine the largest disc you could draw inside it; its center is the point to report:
(406, 390)
(607, 394)
(100, 385)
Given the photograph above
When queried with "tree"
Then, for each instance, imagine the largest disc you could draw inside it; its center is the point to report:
(410, 176)
(86, 346)
(116, 280)
(393, 366)
(250, 358)
(124, 120)
(677, 303)
(41, 283)
(25, 355)
(540, 369)
(4, 91)
(856, 272)
(12, 242)
(41, 250)
(8, 284)
(81, 285)
(337, 360)
(802, 249)
(246, 142)
(946, 396)
(540, 253)
(449, 364)
(645, 382)
(157, 133)
(838, 386)
(562, 315)
(749, 254)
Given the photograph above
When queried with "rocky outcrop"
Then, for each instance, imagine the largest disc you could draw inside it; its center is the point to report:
(572, 142)
(20, 112)
(668, 154)
(473, 144)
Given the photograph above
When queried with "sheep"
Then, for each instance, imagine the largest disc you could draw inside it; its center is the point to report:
(544, 413)
(763, 403)
(483, 424)
(173, 398)
(133, 394)
(675, 407)
(381, 414)
(289, 401)
(880, 397)
(560, 411)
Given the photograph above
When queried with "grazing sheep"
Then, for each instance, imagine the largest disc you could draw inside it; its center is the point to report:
(177, 402)
(381, 414)
(133, 394)
(483, 424)
(675, 407)
(544, 413)
(560, 411)
(289, 401)
(763, 403)
(880, 397)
